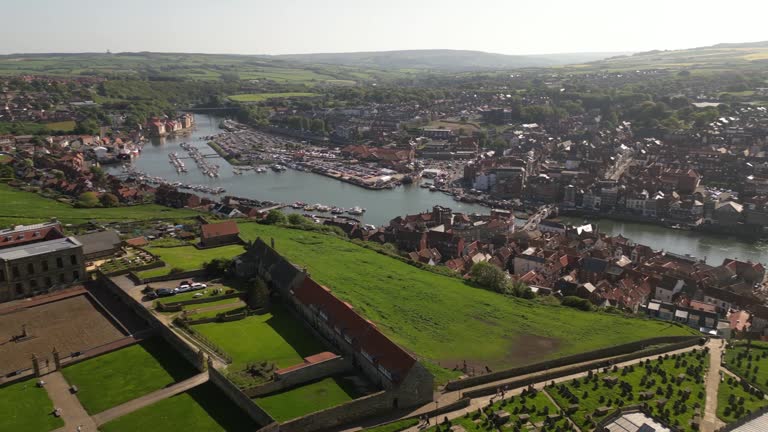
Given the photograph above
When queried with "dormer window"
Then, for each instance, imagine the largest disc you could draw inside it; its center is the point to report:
(323, 315)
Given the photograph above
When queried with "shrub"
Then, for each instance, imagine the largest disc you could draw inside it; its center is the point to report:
(577, 302)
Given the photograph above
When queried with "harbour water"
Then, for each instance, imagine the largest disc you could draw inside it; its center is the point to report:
(383, 205)
(287, 186)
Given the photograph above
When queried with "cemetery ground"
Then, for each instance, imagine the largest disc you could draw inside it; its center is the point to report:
(201, 409)
(275, 337)
(737, 398)
(112, 379)
(24, 407)
(308, 398)
(671, 387)
(530, 410)
(418, 309)
(749, 361)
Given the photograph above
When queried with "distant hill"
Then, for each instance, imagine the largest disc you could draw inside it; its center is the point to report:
(715, 57)
(443, 60)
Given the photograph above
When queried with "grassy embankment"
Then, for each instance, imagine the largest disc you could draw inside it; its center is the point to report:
(445, 321)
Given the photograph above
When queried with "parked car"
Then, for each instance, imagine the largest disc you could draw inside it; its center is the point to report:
(182, 289)
(165, 292)
(198, 285)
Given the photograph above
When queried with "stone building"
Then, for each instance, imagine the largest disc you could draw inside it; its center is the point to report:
(39, 267)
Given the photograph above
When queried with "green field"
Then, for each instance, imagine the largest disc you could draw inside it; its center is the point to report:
(26, 408)
(66, 126)
(661, 377)
(123, 375)
(187, 258)
(396, 426)
(202, 409)
(736, 399)
(20, 207)
(260, 97)
(750, 364)
(445, 321)
(275, 337)
(307, 399)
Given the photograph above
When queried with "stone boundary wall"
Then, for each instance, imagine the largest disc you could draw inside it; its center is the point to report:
(168, 277)
(200, 300)
(371, 405)
(564, 361)
(172, 338)
(545, 376)
(239, 398)
(301, 376)
(453, 406)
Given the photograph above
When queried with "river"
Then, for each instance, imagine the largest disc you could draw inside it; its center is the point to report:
(383, 205)
(290, 185)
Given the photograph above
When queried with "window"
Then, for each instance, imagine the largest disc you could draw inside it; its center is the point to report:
(367, 356)
(384, 371)
(73, 259)
(30, 268)
(15, 271)
(61, 278)
(33, 284)
(323, 315)
(59, 262)
(75, 275)
(48, 282)
(45, 265)
(2, 275)
(19, 289)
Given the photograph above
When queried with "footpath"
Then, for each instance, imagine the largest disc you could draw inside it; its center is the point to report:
(72, 412)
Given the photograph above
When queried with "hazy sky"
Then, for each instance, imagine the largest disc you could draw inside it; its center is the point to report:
(302, 26)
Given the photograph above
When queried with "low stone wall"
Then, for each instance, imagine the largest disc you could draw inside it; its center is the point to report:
(154, 264)
(564, 361)
(300, 376)
(239, 398)
(371, 405)
(183, 275)
(546, 376)
(202, 300)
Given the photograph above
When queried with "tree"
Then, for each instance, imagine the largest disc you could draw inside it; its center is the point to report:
(217, 267)
(577, 302)
(109, 200)
(489, 276)
(275, 217)
(98, 174)
(297, 219)
(257, 294)
(88, 200)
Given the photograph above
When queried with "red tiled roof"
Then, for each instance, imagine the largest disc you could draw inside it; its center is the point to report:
(32, 234)
(219, 229)
(365, 336)
(137, 241)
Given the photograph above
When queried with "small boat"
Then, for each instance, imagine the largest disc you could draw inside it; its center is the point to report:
(310, 208)
(298, 205)
(356, 211)
(260, 170)
(337, 210)
(432, 188)
(322, 208)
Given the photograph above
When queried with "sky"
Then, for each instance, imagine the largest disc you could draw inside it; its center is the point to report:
(307, 26)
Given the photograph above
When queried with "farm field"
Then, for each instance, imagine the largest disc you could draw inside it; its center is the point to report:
(187, 257)
(674, 387)
(275, 337)
(419, 309)
(201, 409)
(120, 376)
(736, 399)
(26, 408)
(21, 207)
(749, 363)
(293, 403)
(259, 97)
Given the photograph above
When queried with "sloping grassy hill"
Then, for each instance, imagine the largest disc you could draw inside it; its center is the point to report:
(444, 321)
(20, 207)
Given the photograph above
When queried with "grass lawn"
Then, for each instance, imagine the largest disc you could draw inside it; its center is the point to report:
(212, 314)
(20, 207)
(307, 399)
(751, 364)
(735, 400)
(445, 321)
(394, 426)
(201, 409)
(658, 376)
(276, 337)
(536, 405)
(120, 376)
(259, 97)
(66, 126)
(187, 257)
(26, 408)
(189, 295)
